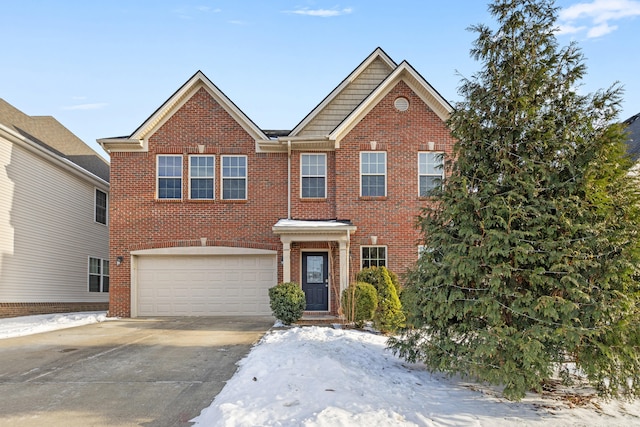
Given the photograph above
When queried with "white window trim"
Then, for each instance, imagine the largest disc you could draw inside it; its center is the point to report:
(314, 176)
(158, 176)
(95, 205)
(386, 253)
(246, 176)
(386, 180)
(102, 275)
(441, 176)
(213, 177)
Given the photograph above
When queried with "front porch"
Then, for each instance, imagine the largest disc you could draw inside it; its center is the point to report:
(314, 270)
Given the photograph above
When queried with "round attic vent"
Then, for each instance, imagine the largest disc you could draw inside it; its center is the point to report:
(401, 104)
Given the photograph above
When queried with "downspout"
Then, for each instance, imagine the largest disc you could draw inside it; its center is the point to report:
(348, 256)
(289, 179)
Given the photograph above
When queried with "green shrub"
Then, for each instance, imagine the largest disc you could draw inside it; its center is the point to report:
(389, 316)
(287, 302)
(359, 303)
(373, 275)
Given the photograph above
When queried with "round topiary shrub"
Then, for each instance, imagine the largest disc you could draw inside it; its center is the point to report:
(359, 303)
(287, 302)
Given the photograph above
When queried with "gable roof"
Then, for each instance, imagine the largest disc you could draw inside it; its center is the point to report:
(404, 72)
(48, 133)
(137, 140)
(633, 143)
(346, 96)
(356, 96)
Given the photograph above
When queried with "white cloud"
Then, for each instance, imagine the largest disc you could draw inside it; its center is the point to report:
(570, 29)
(601, 30)
(94, 106)
(323, 13)
(597, 14)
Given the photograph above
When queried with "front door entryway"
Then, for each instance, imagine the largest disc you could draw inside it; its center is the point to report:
(315, 280)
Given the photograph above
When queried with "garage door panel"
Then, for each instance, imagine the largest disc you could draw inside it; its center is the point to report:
(205, 285)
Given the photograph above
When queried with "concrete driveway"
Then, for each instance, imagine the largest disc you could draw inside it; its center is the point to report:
(131, 372)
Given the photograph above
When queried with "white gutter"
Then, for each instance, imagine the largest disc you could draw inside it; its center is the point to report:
(289, 179)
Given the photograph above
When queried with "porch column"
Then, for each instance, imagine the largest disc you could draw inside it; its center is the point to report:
(286, 261)
(344, 266)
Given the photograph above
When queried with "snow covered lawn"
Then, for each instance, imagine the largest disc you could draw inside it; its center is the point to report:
(27, 325)
(318, 376)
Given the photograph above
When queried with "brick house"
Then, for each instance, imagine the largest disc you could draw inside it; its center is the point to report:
(208, 211)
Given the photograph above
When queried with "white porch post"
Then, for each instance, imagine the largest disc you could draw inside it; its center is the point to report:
(344, 265)
(286, 261)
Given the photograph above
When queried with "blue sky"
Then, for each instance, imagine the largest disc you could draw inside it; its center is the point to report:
(101, 68)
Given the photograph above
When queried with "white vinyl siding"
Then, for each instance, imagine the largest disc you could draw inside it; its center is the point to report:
(47, 230)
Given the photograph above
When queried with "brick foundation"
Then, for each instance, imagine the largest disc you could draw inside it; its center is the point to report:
(15, 309)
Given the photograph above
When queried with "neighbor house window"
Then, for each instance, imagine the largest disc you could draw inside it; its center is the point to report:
(234, 177)
(101, 207)
(373, 174)
(373, 256)
(98, 275)
(169, 177)
(314, 175)
(201, 173)
(430, 172)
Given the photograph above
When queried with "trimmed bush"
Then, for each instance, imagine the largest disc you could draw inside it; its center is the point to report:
(389, 316)
(287, 302)
(359, 302)
(373, 275)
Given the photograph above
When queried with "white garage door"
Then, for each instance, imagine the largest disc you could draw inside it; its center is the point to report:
(217, 285)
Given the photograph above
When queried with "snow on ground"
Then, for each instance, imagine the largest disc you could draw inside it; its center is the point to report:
(319, 376)
(324, 377)
(27, 325)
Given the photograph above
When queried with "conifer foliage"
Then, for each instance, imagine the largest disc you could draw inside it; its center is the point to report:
(530, 268)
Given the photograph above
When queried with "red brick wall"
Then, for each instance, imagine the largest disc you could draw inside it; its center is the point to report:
(392, 218)
(138, 220)
(14, 309)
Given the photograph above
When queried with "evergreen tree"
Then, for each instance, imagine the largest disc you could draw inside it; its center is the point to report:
(532, 249)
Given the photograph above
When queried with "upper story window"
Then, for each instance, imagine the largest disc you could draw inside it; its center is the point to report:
(98, 275)
(373, 256)
(373, 173)
(169, 177)
(201, 177)
(313, 175)
(430, 172)
(101, 207)
(234, 177)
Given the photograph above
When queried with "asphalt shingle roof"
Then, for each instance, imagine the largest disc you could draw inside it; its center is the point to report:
(50, 134)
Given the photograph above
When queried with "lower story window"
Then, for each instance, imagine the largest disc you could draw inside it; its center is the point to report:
(373, 256)
(98, 275)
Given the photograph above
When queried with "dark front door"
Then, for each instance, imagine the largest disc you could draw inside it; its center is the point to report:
(315, 280)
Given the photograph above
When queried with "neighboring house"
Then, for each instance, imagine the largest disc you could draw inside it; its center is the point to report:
(208, 211)
(633, 143)
(54, 236)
